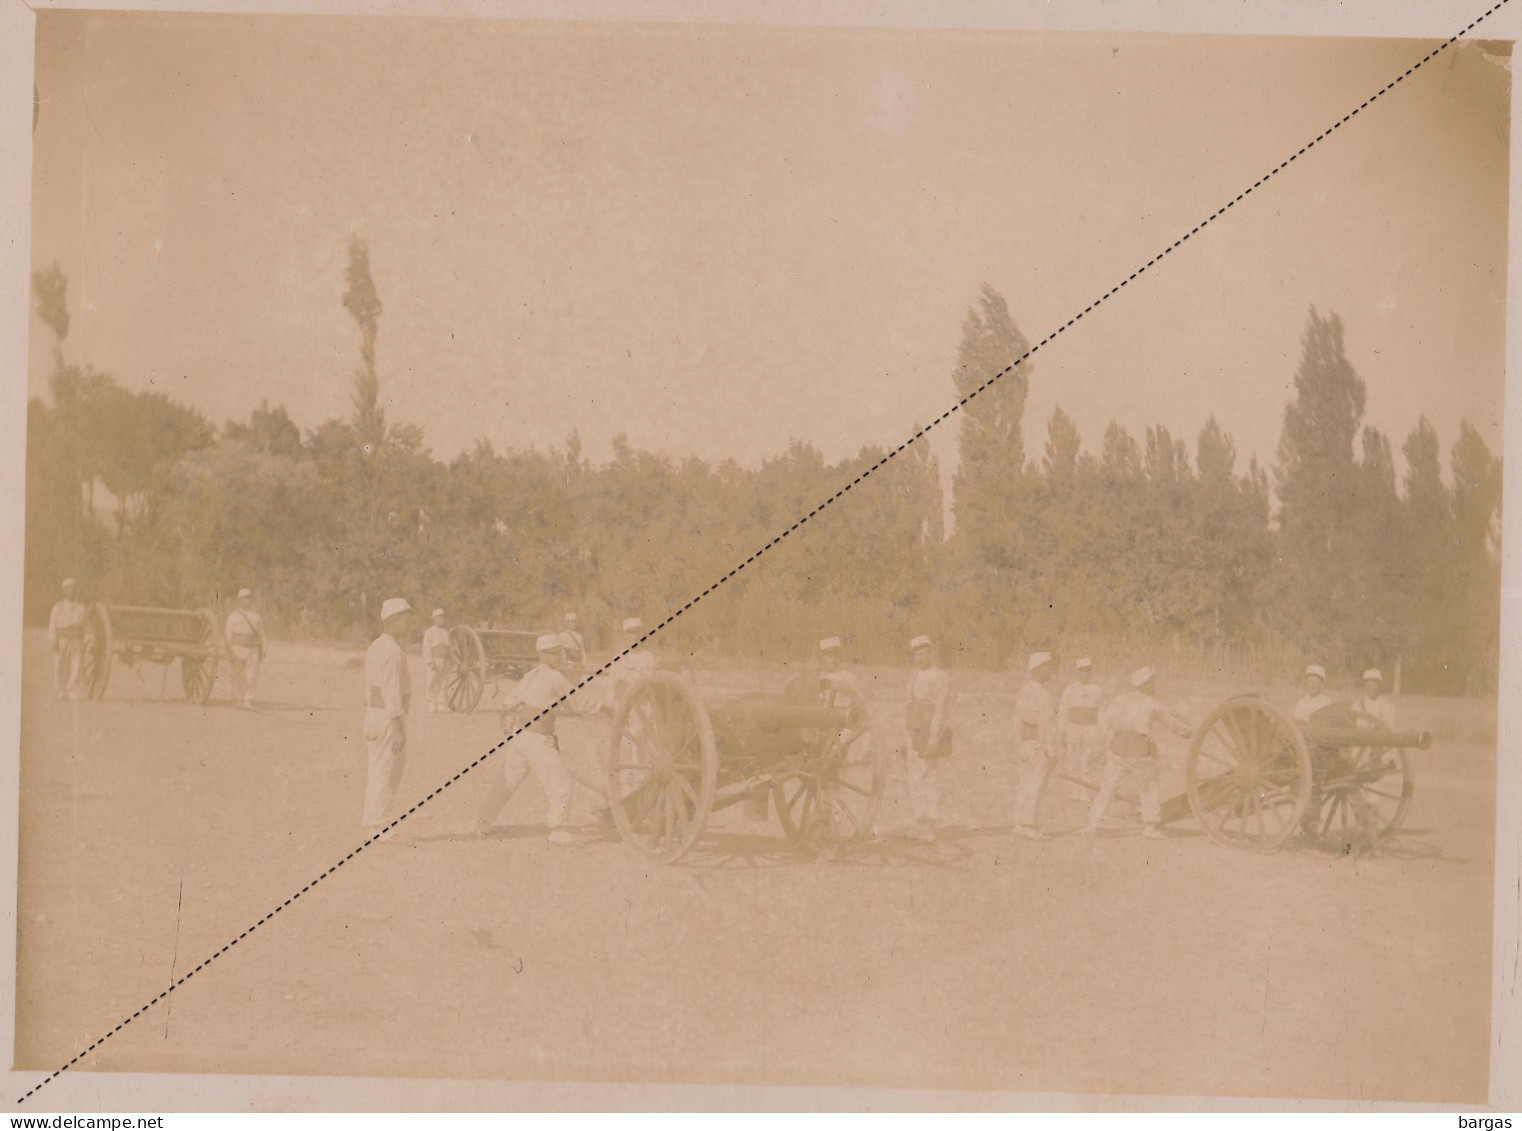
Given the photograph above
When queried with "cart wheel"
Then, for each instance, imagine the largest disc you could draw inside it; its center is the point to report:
(95, 658)
(467, 669)
(199, 673)
(1363, 791)
(834, 795)
(662, 766)
(1249, 775)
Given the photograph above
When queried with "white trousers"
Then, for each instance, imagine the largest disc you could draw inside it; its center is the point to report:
(436, 672)
(386, 743)
(539, 753)
(924, 784)
(1081, 752)
(66, 668)
(1117, 770)
(245, 675)
(1035, 766)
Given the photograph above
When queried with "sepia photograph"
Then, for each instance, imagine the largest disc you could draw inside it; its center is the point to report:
(656, 558)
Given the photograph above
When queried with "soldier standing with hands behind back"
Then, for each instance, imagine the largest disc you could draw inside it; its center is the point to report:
(245, 635)
(388, 697)
(927, 734)
(1037, 713)
(1078, 726)
(437, 653)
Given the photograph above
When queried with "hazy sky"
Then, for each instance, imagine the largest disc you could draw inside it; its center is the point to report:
(716, 239)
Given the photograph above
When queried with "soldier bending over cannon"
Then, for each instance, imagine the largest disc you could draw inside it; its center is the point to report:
(1127, 725)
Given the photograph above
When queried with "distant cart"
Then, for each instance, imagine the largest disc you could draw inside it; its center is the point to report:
(481, 656)
(486, 656)
(675, 757)
(135, 634)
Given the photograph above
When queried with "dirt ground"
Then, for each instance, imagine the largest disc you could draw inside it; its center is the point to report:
(153, 832)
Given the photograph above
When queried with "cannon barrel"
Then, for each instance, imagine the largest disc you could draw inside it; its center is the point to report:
(772, 716)
(1357, 736)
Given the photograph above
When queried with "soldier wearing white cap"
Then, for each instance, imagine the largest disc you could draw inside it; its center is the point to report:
(632, 662)
(437, 654)
(1127, 726)
(573, 643)
(927, 733)
(1314, 698)
(1373, 702)
(839, 689)
(533, 703)
(245, 637)
(1078, 725)
(1036, 716)
(388, 697)
(66, 637)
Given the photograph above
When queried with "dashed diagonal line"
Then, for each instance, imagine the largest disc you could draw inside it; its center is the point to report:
(889, 456)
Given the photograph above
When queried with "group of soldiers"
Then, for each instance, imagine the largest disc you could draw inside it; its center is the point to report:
(528, 711)
(1078, 731)
(1098, 745)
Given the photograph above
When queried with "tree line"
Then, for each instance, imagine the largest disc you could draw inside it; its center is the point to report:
(1330, 555)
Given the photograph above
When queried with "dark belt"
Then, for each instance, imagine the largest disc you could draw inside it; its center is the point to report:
(245, 640)
(1130, 744)
(544, 724)
(377, 699)
(73, 632)
(1083, 716)
(1029, 731)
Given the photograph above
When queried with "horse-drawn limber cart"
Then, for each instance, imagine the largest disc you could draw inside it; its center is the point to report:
(677, 756)
(1255, 776)
(134, 634)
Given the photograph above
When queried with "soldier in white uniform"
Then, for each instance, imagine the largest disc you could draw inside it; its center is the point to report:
(631, 663)
(927, 734)
(839, 689)
(1314, 698)
(574, 644)
(1373, 702)
(388, 696)
(1078, 726)
(534, 701)
(66, 636)
(245, 636)
(436, 654)
(1036, 716)
(1126, 727)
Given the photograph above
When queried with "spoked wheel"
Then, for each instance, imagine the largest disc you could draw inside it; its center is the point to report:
(199, 673)
(466, 678)
(1363, 792)
(95, 656)
(662, 766)
(834, 794)
(1249, 775)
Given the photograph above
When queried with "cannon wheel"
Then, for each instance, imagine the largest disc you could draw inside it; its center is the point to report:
(662, 766)
(1364, 791)
(199, 673)
(467, 669)
(97, 650)
(835, 794)
(1249, 775)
